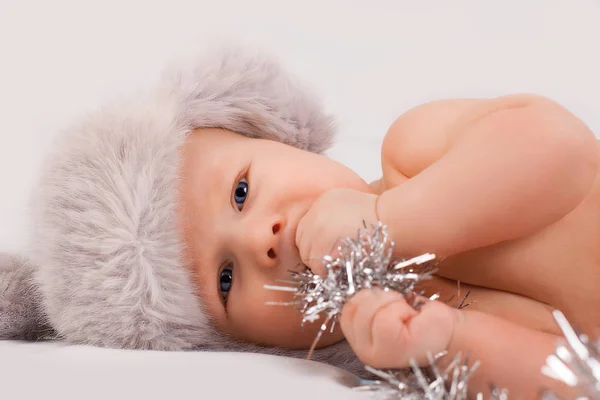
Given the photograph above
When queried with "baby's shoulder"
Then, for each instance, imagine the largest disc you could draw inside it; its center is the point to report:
(421, 135)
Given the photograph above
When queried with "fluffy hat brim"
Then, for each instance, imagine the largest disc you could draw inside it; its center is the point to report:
(106, 239)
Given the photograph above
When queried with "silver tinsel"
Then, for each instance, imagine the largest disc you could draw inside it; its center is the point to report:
(364, 263)
(576, 360)
(430, 383)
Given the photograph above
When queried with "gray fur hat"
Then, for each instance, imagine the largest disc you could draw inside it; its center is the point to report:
(105, 266)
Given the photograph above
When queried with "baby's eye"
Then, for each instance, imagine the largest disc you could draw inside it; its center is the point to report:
(240, 194)
(225, 281)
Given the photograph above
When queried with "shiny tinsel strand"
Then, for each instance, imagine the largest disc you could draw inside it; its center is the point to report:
(362, 263)
(576, 360)
(427, 383)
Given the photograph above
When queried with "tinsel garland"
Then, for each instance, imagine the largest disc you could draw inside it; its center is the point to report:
(576, 360)
(366, 262)
(363, 263)
(429, 383)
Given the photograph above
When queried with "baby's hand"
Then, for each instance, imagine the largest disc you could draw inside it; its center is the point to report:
(385, 332)
(335, 215)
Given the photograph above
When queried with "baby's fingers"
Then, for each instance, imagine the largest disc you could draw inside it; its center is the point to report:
(372, 321)
(391, 340)
(306, 236)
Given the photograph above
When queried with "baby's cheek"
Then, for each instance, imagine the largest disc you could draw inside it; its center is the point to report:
(276, 325)
(256, 321)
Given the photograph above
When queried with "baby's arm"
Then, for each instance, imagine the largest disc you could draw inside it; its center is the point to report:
(511, 355)
(483, 171)
(385, 332)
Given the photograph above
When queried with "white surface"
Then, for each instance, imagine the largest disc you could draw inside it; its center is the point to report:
(53, 371)
(371, 60)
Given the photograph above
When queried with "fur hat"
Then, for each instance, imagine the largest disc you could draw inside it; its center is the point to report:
(105, 266)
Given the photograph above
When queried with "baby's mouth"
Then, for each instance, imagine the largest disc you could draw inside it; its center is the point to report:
(302, 268)
(322, 272)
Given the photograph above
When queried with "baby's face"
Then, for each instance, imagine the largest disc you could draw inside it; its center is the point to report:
(241, 203)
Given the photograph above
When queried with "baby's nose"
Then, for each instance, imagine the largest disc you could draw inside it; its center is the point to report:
(275, 229)
(266, 245)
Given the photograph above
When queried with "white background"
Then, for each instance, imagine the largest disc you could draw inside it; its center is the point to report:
(370, 60)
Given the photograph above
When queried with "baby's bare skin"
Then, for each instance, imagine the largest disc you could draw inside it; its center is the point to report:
(504, 191)
(557, 266)
(541, 254)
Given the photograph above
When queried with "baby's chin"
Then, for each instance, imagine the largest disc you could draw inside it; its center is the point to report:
(348, 179)
(355, 183)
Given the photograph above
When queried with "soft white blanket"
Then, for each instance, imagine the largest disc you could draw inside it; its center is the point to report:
(54, 371)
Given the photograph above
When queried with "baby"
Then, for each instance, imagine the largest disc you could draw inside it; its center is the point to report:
(503, 189)
(159, 220)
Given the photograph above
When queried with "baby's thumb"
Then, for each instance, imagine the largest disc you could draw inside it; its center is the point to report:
(305, 240)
